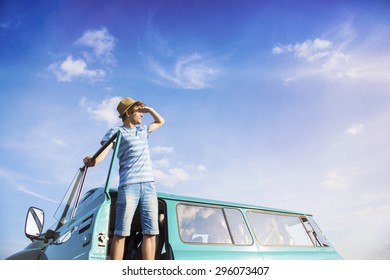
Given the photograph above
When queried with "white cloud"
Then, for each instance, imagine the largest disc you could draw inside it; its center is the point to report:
(318, 56)
(335, 61)
(311, 50)
(202, 168)
(345, 54)
(355, 129)
(102, 44)
(169, 173)
(70, 69)
(161, 163)
(100, 52)
(190, 72)
(105, 111)
(162, 150)
(334, 181)
(171, 177)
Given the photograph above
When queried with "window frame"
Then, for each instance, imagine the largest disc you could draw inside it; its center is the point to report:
(245, 223)
(270, 213)
(228, 226)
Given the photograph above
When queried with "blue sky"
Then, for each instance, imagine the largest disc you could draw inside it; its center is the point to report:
(276, 103)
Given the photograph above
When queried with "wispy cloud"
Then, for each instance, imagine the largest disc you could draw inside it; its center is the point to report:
(319, 56)
(4, 27)
(311, 50)
(170, 176)
(32, 193)
(100, 46)
(355, 129)
(189, 72)
(341, 54)
(13, 180)
(191, 69)
(7, 25)
(334, 181)
(162, 150)
(46, 131)
(105, 111)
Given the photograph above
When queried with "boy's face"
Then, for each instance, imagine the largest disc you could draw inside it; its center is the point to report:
(135, 115)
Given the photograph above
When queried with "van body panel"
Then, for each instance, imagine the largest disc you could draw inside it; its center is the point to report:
(33, 251)
(79, 238)
(184, 251)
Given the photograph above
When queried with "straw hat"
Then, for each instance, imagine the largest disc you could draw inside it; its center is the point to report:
(125, 105)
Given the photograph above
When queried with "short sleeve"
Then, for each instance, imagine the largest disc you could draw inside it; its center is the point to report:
(108, 135)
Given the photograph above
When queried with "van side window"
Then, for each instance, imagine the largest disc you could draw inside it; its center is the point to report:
(238, 227)
(200, 224)
(278, 229)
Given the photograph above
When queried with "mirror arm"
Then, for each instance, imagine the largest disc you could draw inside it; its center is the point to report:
(50, 234)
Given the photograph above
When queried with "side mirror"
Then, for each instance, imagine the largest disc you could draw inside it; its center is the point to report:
(34, 223)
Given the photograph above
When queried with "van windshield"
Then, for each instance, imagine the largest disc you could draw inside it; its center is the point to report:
(97, 177)
(65, 209)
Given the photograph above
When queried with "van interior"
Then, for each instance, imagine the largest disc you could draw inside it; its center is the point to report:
(134, 241)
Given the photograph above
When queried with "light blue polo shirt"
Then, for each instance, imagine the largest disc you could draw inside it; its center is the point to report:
(135, 165)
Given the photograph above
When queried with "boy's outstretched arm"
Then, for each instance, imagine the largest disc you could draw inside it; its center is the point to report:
(158, 120)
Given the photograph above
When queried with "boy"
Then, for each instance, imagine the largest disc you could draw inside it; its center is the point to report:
(136, 186)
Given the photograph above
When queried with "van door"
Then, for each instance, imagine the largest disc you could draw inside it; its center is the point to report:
(85, 235)
(83, 231)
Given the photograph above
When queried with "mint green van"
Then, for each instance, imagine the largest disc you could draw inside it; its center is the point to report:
(190, 228)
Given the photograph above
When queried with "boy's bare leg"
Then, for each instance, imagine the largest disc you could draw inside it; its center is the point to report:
(148, 247)
(117, 247)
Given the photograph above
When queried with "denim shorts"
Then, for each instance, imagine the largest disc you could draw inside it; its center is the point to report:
(129, 197)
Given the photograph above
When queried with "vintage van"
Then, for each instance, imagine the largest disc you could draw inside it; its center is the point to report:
(190, 228)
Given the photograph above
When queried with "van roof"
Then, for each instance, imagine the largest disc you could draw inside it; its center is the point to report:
(181, 198)
(174, 197)
(190, 199)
